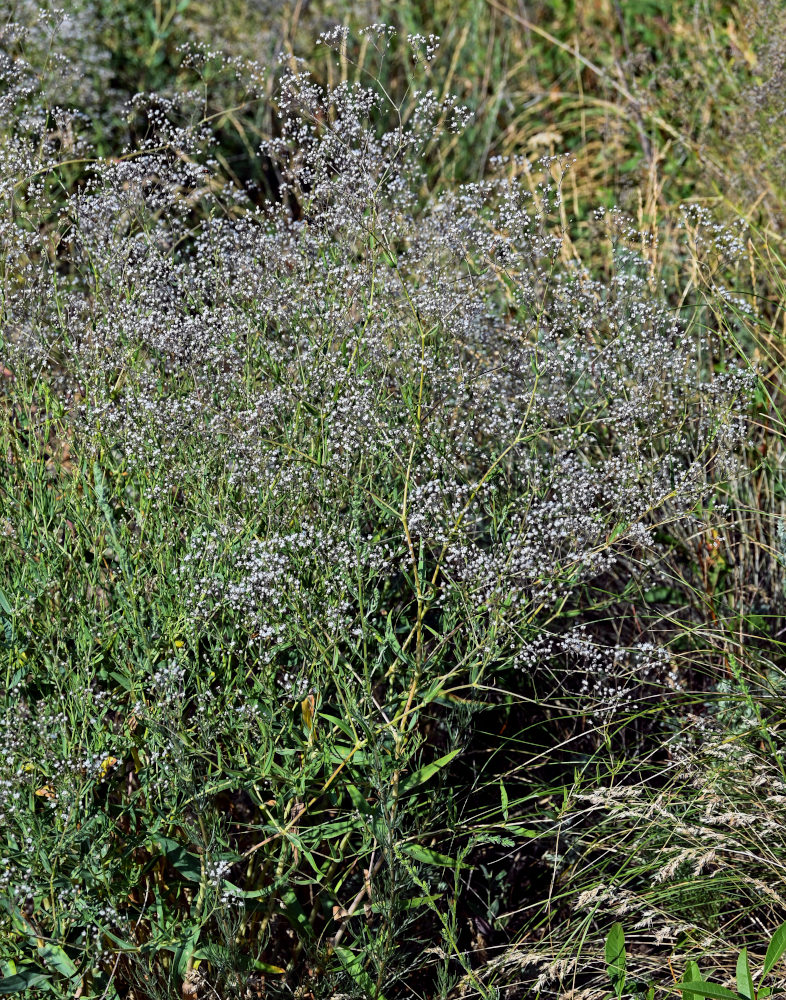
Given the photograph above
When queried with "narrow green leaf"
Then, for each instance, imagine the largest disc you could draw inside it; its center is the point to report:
(521, 831)
(121, 944)
(329, 831)
(391, 639)
(122, 680)
(434, 692)
(744, 978)
(354, 966)
(98, 485)
(711, 990)
(776, 948)
(341, 724)
(429, 857)
(423, 774)
(297, 841)
(217, 954)
(249, 893)
(504, 801)
(410, 904)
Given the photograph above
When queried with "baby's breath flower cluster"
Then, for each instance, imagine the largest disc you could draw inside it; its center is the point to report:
(444, 348)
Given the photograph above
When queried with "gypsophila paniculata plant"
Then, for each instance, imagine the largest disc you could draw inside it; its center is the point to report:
(299, 484)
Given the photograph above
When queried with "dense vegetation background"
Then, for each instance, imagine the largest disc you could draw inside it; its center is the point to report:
(391, 495)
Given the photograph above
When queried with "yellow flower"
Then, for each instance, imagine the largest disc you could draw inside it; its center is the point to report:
(106, 765)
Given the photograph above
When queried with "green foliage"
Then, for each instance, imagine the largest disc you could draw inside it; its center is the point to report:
(693, 984)
(616, 958)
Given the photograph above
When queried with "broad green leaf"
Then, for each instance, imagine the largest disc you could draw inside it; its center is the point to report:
(358, 800)
(744, 978)
(8, 628)
(341, 724)
(20, 981)
(55, 958)
(4, 605)
(618, 530)
(296, 913)
(424, 773)
(775, 949)
(185, 864)
(329, 831)
(50, 953)
(185, 952)
(711, 990)
(692, 975)
(615, 951)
